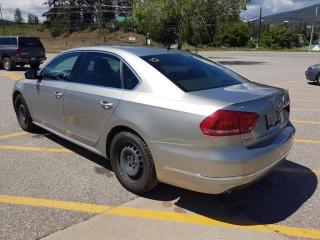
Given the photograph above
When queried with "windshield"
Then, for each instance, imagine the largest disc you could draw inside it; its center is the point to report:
(193, 73)
(29, 42)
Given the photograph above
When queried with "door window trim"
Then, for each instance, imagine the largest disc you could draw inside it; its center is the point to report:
(73, 71)
(79, 62)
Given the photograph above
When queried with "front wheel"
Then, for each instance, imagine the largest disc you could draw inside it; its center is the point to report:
(132, 163)
(23, 114)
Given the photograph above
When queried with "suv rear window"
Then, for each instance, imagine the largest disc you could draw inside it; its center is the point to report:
(29, 42)
(192, 72)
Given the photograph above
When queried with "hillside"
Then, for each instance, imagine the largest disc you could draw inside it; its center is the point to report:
(87, 37)
(297, 17)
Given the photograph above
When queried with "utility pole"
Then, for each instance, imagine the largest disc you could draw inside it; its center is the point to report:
(2, 23)
(312, 30)
(260, 21)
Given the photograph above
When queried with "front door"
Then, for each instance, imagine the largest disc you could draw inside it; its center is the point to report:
(48, 96)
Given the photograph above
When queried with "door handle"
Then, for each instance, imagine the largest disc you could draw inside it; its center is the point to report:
(58, 94)
(106, 105)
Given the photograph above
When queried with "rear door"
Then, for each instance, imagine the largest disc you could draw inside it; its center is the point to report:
(92, 96)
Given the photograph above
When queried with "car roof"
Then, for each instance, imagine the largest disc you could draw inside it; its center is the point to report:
(139, 51)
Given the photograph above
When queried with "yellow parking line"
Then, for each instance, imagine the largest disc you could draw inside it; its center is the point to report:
(306, 122)
(11, 135)
(308, 141)
(34, 149)
(156, 215)
(37, 202)
(11, 75)
(306, 109)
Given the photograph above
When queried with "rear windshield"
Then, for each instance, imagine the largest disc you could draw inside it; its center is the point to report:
(29, 42)
(193, 73)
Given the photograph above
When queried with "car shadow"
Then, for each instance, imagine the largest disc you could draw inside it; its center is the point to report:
(313, 83)
(240, 62)
(271, 200)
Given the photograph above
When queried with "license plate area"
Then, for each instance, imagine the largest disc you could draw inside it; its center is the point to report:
(33, 59)
(273, 119)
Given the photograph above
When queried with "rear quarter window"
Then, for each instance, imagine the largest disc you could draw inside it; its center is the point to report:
(193, 73)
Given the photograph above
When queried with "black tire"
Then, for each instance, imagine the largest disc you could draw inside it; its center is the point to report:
(35, 65)
(23, 114)
(318, 79)
(8, 64)
(140, 176)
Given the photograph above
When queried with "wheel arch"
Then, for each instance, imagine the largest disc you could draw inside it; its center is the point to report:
(117, 129)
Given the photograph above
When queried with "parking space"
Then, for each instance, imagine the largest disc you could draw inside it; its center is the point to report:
(48, 184)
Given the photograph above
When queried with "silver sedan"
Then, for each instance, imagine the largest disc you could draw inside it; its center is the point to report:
(160, 116)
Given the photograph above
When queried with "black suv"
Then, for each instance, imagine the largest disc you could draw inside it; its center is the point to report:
(21, 51)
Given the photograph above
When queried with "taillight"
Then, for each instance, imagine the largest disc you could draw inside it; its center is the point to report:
(229, 123)
(18, 52)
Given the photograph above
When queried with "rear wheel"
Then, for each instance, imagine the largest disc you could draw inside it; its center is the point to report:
(35, 65)
(7, 64)
(23, 114)
(132, 163)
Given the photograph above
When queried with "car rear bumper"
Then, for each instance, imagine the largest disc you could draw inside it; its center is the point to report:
(29, 59)
(215, 175)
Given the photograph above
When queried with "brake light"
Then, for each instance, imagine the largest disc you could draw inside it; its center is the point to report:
(229, 123)
(18, 52)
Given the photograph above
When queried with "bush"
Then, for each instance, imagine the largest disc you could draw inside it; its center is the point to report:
(280, 37)
(234, 35)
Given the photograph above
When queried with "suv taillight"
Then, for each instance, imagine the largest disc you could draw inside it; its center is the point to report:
(229, 123)
(18, 52)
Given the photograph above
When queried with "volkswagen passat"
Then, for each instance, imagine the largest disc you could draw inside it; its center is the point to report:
(160, 116)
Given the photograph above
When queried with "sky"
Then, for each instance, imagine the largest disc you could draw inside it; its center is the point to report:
(269, 7)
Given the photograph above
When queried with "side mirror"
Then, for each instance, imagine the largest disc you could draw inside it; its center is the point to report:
(32, 74)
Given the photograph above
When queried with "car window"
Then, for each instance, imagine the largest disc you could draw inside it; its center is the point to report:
(129, 78)
(100, 69)
(193, 73)
(60, 68)
(4, 41)
(29, 42)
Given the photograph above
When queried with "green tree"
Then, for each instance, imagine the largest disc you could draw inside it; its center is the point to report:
(33, 19)
(18, 16)
(192, 21)
(234, 35)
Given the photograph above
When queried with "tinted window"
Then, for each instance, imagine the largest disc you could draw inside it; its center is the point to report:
(4, 41)
(13, 41)
(193, 73)
(60, 68)
(101, 70)
(29, 42)
(129, 78)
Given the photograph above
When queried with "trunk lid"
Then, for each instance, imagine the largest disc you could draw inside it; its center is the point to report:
(272, 104)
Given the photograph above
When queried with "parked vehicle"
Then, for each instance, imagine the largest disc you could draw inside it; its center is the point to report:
(21, 51)
(160, 115)
(313, 73)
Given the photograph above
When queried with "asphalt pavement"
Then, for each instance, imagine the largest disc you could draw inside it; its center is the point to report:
(52, 189)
